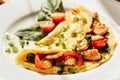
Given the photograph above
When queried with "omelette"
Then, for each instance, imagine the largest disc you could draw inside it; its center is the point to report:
(80, 43)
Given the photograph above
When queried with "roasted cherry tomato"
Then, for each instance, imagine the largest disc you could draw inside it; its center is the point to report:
(42, 64)
(58, 17)
(71, 54)
(47, 26)
(99, 43)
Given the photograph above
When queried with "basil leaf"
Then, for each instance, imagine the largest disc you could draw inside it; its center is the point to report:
(33, 33)
(48, 7)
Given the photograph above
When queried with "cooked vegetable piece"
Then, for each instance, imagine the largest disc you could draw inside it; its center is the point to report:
(88, 38)
(104, 49)
(99, 43)
(30, 57)
(71, 54)
(48, 7)
(42, 63)
(62, 68)
(58, 17)
(54, 56)
(47, 26)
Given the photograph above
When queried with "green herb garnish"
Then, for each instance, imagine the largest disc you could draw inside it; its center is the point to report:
(30, 58)
(63, 45)
(75, 19)
(48, 7)
(49, 47)
(8, 50)
(84, 20)
(66, 27)
(94, 19)
(22, 42)
(74, 34)
(33, 33)
(7, 36)
(11, 43)
(88, 38)
(61, 36)
(14, 49)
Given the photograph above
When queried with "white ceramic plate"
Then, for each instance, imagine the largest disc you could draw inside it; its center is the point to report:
(21, 13)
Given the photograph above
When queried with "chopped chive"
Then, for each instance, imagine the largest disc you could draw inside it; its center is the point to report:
(36, 43)
(7, 50)
(75, 19)
(11, 43)
(14, 49)
(94, 19)
(61, 36)
(57, 44)
(66, 27)
(84, 20)
(74, 34)
(22, 42)
(7, 36)
(49, 47)
(63, 45)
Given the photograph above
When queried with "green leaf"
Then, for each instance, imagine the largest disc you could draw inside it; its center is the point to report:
(48, 7)
(33, 33)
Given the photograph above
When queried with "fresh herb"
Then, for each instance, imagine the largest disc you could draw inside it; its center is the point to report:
(8, 50)
(30, 57)
(7, 36)
(63, 45)
(71, 70)
(14, 49)
(88, 38)
(81, 53)
(33, 33)
(104, 49)
(75, 19)
(84, 20)
(53, 61)
(61, 36)
(36, 43)
(74, 34)
(94, 19)
(62, 68)
(49, 47)
(66, 27)
(75, 49)
(57, 43)
(48, 7)
(11, 43)
(22, 42)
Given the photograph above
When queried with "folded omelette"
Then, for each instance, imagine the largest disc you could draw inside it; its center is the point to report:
(80, 43)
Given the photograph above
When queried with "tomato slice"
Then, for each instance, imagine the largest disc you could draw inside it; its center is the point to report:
(38, 62)
(47, 26)
(99, 43)
(71, 54)
(58, 17)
